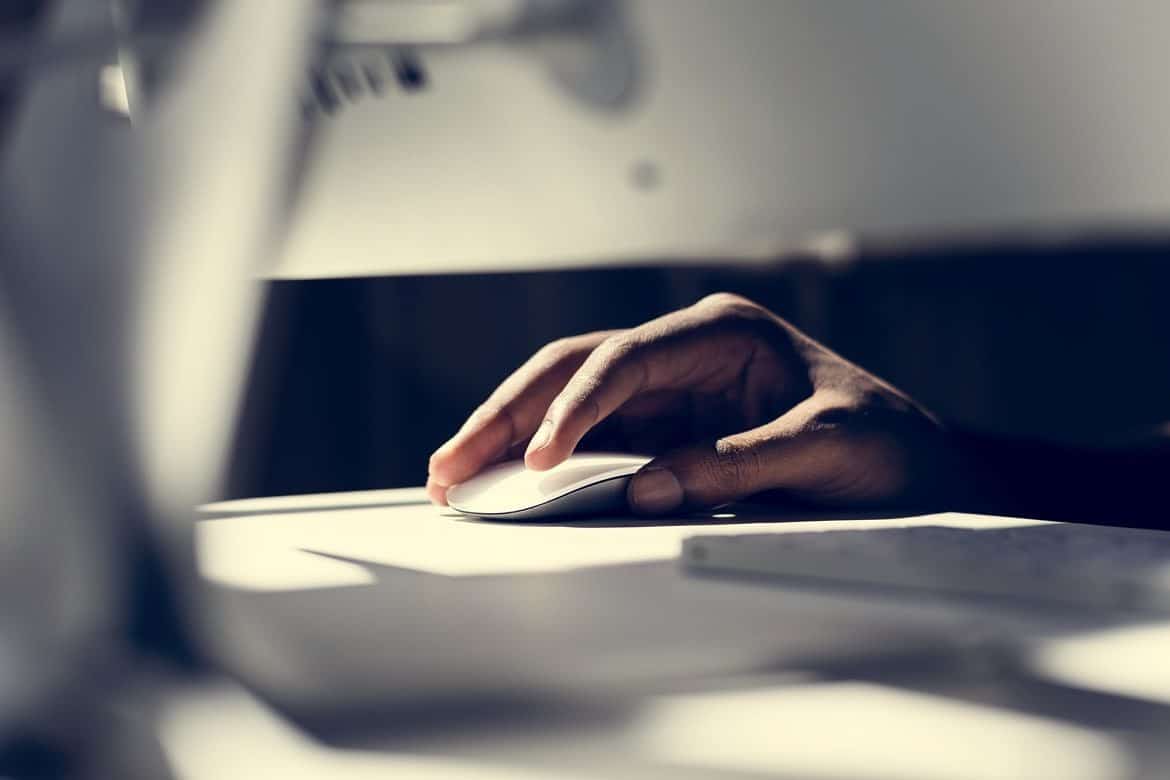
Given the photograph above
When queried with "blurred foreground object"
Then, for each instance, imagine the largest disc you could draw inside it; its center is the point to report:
(121, 244)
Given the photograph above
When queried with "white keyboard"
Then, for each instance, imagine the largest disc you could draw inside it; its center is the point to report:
(1081, 565)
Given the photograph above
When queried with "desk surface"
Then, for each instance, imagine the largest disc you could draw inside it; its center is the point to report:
(290, 543)
(1080, 700)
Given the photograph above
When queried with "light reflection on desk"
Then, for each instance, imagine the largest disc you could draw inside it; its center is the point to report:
(307, 549)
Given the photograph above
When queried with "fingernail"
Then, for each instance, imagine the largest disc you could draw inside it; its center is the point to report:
(655, 490)
(540, 438)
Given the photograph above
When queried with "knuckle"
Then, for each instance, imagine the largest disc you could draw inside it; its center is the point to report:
(616, 354)
(729, 313)
(729, 302)
(558, 349)
(733, 466)
(617, 348)
(854, 432)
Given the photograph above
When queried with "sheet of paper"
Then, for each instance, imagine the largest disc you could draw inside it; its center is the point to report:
(314, 502)
(328, 548)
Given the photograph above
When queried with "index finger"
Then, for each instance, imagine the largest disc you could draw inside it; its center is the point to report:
(510, 414)
(690, 348)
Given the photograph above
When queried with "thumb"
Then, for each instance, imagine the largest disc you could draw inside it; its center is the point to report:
(789, 452)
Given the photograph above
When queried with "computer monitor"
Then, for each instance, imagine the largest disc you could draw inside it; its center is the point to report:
(752, 126)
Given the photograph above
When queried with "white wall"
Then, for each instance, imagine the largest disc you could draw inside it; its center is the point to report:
(768, 121)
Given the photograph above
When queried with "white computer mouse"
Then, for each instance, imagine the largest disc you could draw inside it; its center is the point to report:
(586, 483)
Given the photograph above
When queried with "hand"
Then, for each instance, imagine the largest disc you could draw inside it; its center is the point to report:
(732, 399)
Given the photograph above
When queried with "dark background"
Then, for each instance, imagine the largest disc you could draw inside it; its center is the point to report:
(356, 380)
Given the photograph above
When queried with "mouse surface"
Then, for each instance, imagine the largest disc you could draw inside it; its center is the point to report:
(586, 483)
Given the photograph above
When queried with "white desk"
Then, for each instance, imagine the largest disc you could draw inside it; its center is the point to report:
(640, 671)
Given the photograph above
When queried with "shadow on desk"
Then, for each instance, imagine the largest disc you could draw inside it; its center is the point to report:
(739, 513)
